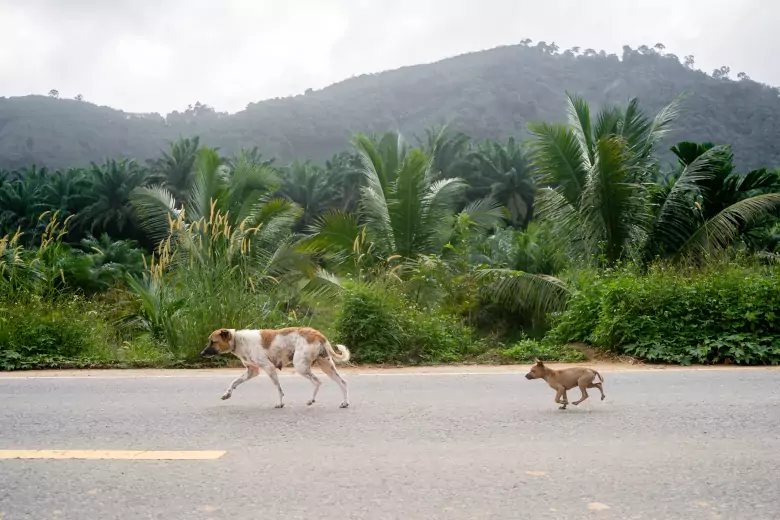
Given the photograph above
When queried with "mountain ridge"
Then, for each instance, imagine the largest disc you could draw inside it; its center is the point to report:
(490, 94)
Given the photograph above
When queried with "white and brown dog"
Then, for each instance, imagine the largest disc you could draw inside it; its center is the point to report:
(272, 349)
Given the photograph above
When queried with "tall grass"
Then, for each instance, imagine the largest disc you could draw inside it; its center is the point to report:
(203, 276)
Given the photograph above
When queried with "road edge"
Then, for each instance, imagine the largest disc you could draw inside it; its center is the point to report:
(606, 367)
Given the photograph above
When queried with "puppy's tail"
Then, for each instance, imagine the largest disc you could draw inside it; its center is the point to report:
(601, 378)
(343, 354)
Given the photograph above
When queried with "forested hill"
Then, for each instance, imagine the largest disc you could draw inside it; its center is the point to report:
(490, 94)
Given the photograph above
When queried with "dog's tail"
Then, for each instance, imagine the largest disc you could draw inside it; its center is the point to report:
(601, 378)
(342, 356)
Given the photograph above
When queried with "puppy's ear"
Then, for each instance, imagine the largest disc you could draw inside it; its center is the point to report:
(224, 334)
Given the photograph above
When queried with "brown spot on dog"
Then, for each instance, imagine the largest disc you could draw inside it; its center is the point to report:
(311, 335)
(267, 337)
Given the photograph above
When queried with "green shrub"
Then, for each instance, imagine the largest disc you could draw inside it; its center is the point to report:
(40, 329)
(380, 325)
(721, 314)
(528, 350)
(180, 309)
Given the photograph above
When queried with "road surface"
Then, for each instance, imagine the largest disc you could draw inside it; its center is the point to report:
(672, 444)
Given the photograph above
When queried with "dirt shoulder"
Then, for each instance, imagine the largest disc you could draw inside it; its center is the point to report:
(605, 367)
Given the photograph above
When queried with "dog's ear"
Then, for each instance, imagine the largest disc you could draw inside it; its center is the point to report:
(539, 362)
(224, 334)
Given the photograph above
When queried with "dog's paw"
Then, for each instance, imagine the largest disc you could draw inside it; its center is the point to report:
(280, 405)
(603, 397)
(226, 396)
(344, 405)
(309, 403)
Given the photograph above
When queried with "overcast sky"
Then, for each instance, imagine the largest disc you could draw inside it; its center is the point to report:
(161, 55)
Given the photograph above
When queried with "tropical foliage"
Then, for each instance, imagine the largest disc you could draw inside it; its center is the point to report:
(446, 251)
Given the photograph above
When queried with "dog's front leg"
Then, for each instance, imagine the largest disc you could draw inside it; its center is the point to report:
(271, 371)
(243, 378)
(560, 398)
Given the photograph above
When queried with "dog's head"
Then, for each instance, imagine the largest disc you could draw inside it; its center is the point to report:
(536, 371)
(220, 342)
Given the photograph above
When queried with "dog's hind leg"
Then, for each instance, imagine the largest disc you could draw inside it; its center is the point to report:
(303, 367)
(271, 371)
(584, 382)
(601, 389)
(329, 367)
(243, 378)
(584, 395)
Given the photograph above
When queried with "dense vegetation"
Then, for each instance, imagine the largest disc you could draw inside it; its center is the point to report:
(488, 95)
(449, 250)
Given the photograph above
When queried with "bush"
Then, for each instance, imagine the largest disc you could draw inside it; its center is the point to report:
(184, 307)
(39, 329)
(720, 314)
(379, 325)
(528, 350)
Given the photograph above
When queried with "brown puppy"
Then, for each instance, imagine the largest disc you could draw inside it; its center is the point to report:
(566, 379)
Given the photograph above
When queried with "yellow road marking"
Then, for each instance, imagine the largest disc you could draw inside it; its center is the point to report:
(111, 454)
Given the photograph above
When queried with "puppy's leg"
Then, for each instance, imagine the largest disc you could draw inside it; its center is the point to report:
(271, 371)
(303, 367)
(243, 378)
(329, 367)
(598, 385)
(560, 397)
(584, 382)
(584, 396)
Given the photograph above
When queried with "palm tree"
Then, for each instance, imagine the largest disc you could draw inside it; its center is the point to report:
(66, 191)
(504, 174)
(20, 201)
(237, 192)
(109, 208)
(252, 155)
(229, 206)
(705, 205)
(449, 152)
(404, 210)
(595, 175)
(175, 169)
(345, 171)
(308, 185)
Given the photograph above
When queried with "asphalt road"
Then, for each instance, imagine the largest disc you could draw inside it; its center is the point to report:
(664, 444)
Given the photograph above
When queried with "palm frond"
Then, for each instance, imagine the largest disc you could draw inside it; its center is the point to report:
(553, 207)
(374, 209)
(661, 125)
(324, 286)
(722, 229)
(674, 221)
(557, 156)
(155, 207)
(407, 207)
(209, 185)
(540, 294)
(437, 206)
(333, 233)
(612, 211)
(486, 213)
(578, 115)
